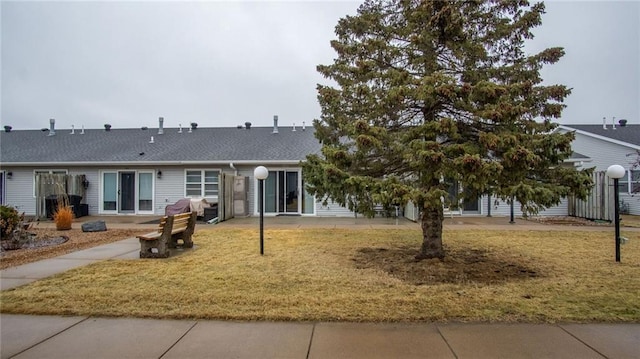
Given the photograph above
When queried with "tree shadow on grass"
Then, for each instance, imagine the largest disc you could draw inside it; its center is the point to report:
(460, 266)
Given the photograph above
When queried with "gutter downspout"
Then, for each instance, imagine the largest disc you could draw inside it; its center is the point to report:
(233, 168)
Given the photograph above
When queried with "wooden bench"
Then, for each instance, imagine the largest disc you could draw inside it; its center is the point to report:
(172, 229)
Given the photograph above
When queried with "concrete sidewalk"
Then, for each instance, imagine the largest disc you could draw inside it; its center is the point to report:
(88, 337)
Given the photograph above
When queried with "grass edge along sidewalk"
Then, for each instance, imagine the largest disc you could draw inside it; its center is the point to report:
(357, 275)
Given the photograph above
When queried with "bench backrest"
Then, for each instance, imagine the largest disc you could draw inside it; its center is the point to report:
(180, 222)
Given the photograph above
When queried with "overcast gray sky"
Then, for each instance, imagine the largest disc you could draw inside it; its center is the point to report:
(226, 63)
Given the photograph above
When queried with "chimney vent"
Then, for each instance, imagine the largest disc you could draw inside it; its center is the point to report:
(107, 127)
(622, 122)
(160, 125)
(247, 125)
(52, 127)
(275, 124)
(7, 128)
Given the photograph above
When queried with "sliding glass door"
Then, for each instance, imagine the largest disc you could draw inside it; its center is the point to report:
(127, 192)
(282, 193)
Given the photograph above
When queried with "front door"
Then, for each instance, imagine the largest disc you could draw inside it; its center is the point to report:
(127, 192)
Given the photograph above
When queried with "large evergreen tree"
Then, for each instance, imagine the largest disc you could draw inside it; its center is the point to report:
(434, 92)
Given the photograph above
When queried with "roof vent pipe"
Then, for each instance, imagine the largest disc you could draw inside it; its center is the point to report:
(160, 125)
(82, 131)
(613, 122)
(151, 141)
(52, 127)
(180, 128)
(294, 127)
(303, 126)
(275, 124)
(73, 130)
(604, 123)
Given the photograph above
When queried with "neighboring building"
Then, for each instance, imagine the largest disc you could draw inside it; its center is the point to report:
(606, 145)
(140, 171)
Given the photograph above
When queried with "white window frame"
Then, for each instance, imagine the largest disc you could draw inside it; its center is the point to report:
(202, 182)
(153, 192)
(45, 171)
(630, 180)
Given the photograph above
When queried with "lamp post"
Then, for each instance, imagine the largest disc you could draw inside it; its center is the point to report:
(616, 172)
(261, 173)
(511, 213)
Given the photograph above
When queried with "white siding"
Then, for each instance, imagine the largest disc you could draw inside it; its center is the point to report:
(332, 209)
(602, 153)
(19, 191)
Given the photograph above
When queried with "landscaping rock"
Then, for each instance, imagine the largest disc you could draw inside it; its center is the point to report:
(97, 226)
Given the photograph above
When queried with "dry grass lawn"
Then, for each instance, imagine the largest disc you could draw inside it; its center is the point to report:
(358, 275)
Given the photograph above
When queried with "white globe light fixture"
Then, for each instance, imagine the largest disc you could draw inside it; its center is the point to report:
(616, 172)
(261, 173)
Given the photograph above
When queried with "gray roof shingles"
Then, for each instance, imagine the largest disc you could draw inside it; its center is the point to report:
(126, 145)
(629, 133)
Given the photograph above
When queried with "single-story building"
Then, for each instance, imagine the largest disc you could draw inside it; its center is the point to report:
(141, 171)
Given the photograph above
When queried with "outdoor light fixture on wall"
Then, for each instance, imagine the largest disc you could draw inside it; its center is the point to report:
(9, 175)
(261, 173)
(159, 174)
(616, 172)
(85, 183)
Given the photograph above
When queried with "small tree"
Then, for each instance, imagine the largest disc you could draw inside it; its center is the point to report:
(434, 92)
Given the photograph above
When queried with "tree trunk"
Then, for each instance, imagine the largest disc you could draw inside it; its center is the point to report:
(431, 219)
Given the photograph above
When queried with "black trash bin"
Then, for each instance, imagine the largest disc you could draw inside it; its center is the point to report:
(51, 204)
(74, 202)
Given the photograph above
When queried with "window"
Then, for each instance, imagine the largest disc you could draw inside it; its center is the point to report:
(145, 191)
(626, 186)
(201, 183)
